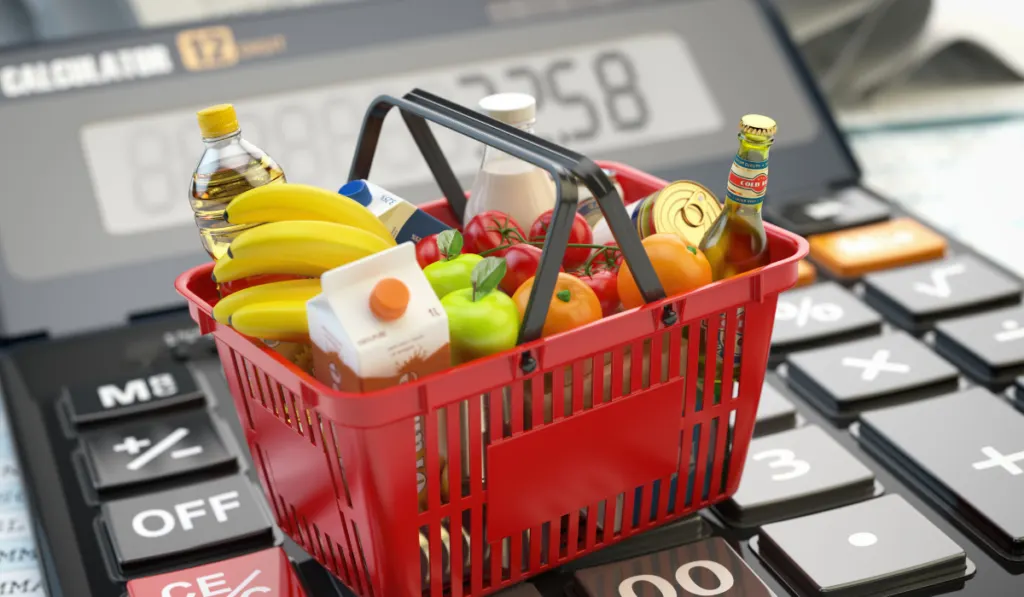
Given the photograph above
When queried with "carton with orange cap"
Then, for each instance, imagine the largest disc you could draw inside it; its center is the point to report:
(377, 323)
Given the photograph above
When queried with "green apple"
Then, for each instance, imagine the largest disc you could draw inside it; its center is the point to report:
(446, 277)
(454, 271)
(481, 319)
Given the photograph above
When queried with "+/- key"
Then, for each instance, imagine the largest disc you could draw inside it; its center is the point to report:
(989, 347)
(964, 451)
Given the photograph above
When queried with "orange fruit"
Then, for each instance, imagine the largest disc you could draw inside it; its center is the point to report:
(680, 268)
(574, 304)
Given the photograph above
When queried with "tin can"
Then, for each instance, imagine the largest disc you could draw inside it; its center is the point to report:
(587, 205)
(446, 556)
(685, 208)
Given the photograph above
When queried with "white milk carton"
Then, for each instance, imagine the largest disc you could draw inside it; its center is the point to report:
(377, 323)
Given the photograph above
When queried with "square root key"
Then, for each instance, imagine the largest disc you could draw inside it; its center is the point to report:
(915, 297)
(964, 451)
(878, 547)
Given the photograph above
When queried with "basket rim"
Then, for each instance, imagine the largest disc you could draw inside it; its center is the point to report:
(693, 305)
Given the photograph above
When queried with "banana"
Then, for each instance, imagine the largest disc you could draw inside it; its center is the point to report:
(321, 243)
(229, 269)
(272, 320)
(291, 201)
(289, 290)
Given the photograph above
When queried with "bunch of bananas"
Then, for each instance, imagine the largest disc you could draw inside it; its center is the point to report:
(304, 232)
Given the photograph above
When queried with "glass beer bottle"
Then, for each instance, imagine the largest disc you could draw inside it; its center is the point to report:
(737, 242)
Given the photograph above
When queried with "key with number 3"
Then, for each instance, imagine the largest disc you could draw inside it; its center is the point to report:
(794, 473)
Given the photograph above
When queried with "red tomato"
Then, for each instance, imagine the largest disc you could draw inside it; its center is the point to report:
(581, 234)
(609, 260)
(427, 251)
(490, 230)
(602, 282)
(522, 263)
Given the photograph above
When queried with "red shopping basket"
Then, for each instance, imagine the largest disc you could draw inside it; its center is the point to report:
(635, 428)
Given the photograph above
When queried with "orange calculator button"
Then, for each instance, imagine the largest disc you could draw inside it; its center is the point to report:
(806, 273)
(855, 252)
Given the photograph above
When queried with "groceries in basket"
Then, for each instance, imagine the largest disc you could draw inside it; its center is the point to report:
(516, 445)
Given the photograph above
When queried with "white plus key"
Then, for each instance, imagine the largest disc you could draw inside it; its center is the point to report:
(970, 445)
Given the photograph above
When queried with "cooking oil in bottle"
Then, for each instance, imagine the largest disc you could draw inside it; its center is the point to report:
(229, 166)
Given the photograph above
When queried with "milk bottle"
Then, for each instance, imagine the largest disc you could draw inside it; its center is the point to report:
(506, 183)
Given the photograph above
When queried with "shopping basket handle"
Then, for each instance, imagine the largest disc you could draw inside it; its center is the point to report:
(565, 166)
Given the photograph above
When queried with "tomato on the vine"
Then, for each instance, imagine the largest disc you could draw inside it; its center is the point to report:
(490, 230)
(608, 259)
(581, 235)
(427, 251)
(603, 283)
(523, 261)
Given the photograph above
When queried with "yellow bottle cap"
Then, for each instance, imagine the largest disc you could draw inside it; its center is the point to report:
(756, 124)
(217, 121)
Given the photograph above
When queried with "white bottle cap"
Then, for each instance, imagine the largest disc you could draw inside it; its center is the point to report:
(511, 108)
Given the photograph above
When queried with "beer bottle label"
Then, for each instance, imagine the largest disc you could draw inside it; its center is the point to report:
(748, 181)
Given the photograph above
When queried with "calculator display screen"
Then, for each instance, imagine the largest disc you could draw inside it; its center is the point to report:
(596, 98)
(100, 137)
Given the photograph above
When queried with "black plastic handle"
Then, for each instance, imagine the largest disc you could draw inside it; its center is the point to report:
(564, 165)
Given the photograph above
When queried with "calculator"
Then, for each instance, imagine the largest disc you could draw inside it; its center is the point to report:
(888, 451)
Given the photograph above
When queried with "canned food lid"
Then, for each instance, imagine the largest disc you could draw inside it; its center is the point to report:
(510, 108)
(217, 121)
(687, 209)
(756, 124)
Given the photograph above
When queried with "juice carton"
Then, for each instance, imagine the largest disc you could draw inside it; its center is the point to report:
(377, 323)
(407, 222)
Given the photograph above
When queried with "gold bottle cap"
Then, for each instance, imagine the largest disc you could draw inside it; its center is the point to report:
(685, 208)
(217, 121)
(756, 124)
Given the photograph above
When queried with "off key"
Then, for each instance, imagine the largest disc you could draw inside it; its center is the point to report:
(858, 251)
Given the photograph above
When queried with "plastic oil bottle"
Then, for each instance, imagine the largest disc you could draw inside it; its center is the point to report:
(229, 166)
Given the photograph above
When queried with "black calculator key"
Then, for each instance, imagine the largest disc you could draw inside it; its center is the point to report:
(915, 297)
(794, 473)
(878, 547)
(153, 448)
(187, 344)
(709, 567)
(520, 590)
(989, 347)
(774, 412)
(966, 452)
(1020, 393)
(179, 521)
(167, 385)
(870, 373)
(845, 209)
(820, 314)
